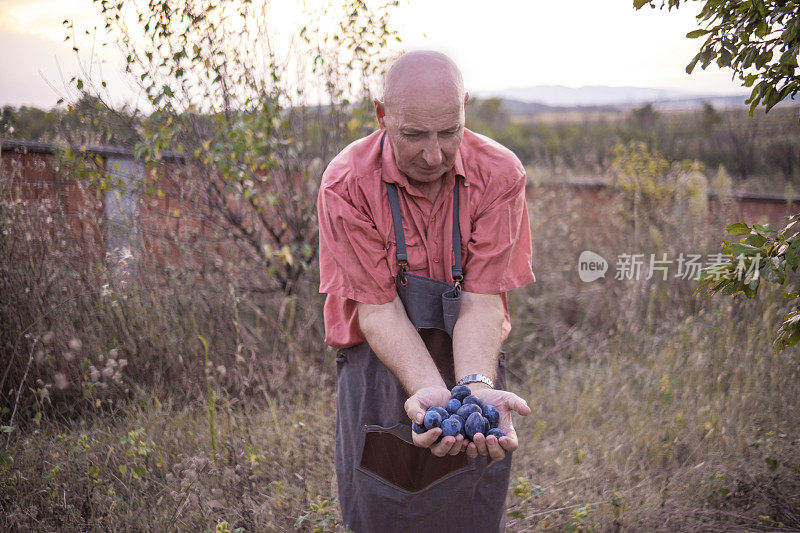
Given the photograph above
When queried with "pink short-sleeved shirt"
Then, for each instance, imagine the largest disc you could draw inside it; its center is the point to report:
(356, 235)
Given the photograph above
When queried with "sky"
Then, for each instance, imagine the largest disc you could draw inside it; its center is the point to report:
(513, 43)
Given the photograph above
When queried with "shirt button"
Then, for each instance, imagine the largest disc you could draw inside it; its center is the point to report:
(435, 259)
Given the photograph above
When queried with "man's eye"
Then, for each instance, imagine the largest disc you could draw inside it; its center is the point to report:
(449, 132)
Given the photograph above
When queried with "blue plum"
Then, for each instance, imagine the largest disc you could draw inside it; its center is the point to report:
(496, 432)
(441, 410)
(472, 399)
(474, 424)
(432, 419)
(460, 421)
(460, 392)
(451, 427)
(416, 428)
(486, 426)
(459, 417)
(491, 412)
(452, 406)
(465, 410)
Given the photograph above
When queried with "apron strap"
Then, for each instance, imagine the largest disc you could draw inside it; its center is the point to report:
(458, 276)
(400, 238)
(399, 235)
(397, 221)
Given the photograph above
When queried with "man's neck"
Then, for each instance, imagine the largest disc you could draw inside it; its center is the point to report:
(429, 189)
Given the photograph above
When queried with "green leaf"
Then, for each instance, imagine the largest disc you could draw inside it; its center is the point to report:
(741, 248)
(638, 4)
(756, 240)
(706, 56)
(6, 459)
(789, 57)
(793, 254)
(763, 229)
(724, 59)
(763, 59)
(692, 63)
(139, 472)
(739, 228)
(772, 98)
(697, 33)
(791, 31)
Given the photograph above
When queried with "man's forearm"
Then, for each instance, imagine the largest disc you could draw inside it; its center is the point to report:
(477, 335)
(398, 345)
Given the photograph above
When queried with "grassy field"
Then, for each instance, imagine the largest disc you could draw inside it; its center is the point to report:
(652, 409)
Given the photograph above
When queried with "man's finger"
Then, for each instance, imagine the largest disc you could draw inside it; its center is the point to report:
(496, 452)
(443, 448)
(509, 444)
(480, 444)
(518, 404)
(457, 445)
(425, 440)
(472, 450)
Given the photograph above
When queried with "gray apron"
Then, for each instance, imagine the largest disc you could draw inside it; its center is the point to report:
(385, 482)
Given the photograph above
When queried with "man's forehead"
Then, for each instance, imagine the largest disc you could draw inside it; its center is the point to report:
(425, 117)
(426, 103)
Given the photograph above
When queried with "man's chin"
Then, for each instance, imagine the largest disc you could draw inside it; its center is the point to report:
(427, 177)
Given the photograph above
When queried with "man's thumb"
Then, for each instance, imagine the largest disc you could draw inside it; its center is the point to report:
(414, 410)
(521, 406)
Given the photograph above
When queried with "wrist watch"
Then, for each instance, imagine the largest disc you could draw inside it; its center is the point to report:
(475, 378)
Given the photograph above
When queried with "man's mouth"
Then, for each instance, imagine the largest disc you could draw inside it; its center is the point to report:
(433, 170)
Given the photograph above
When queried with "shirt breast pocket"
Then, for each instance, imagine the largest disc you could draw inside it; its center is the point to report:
(417, 257)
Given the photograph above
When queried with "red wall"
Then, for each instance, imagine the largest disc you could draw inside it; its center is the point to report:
(173, 226)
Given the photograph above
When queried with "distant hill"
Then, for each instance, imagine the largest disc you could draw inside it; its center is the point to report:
(548, 98)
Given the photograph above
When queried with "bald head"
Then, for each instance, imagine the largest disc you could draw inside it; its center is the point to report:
(423, 114)
(420, 75)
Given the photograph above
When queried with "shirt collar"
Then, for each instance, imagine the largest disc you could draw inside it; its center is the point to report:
(392, 174)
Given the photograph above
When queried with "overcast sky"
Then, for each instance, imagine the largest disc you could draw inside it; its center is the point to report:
(501, 44)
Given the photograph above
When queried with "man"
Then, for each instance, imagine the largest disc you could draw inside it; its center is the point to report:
(423, 228)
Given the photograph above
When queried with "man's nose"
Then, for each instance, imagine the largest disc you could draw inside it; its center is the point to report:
(432, 153)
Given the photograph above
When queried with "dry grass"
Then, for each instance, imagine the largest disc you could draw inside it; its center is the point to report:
(653, 409)
(694, 426)
(148, 466)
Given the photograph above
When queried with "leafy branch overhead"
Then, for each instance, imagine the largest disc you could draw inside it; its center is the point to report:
(758, 39)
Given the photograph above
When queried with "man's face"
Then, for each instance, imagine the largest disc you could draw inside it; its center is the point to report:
(425, 131)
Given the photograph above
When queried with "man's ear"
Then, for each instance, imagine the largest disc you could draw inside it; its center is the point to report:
(466, 97)
(380, 112)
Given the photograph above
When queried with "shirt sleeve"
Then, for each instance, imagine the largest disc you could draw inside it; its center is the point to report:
(352, 254)
(498, 256)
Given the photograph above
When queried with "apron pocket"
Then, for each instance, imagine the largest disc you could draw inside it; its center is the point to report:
(398, 463)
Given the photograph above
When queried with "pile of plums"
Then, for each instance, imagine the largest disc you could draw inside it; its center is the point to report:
(464, 414)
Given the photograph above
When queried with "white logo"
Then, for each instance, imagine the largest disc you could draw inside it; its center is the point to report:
(591, 266)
